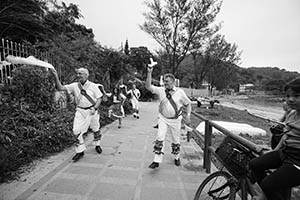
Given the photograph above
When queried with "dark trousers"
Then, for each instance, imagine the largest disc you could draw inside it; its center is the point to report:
(278, 184)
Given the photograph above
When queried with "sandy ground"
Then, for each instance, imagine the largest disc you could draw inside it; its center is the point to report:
(269, 112)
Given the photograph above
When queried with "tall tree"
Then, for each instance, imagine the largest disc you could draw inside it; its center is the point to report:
(126, 48)
(62, 20)
(219, 60)
(22, 20)
(198, 46)
(36, 21)
(139, 56)
(174, 24)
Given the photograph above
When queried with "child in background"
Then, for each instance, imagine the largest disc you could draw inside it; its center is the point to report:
(116, 110)
(134, 98)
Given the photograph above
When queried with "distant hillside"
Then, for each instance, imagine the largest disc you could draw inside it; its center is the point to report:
(272, 73)
(259, 76)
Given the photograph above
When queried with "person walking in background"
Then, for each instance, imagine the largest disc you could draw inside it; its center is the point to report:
(285, 158)
(116, 110)
(172, 101)
(134, 98)
(87, 98)
(122, 88)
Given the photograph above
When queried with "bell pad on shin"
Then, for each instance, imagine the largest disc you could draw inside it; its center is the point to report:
(157, 149)
(175, 148)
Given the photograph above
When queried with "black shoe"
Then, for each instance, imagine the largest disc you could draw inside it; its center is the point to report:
(137, 117)
(156, 126)
(98, 149)
(177, 162)
(153, 165)
(78, 156)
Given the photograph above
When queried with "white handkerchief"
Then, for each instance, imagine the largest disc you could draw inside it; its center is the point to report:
(31, 60)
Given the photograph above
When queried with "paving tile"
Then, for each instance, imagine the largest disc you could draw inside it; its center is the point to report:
(192, 178)
(122, 174)
(56, 196)
(68, 186)
(158, 175)
(190, 193)
(126, 163)
(92, 171)
(192, 186)
(104, 191)
(193, 165)
(161, 194)
(117, 181)
(111, 143)
(98, 159)
(136, 148)
(135, 155)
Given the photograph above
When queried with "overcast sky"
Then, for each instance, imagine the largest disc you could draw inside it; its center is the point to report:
(267, 31)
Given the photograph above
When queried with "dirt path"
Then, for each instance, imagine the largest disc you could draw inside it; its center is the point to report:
(266, 111)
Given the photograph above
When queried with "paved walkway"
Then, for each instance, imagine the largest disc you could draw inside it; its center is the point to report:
(121, 172)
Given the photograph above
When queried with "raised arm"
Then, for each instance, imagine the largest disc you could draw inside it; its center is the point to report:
(58, 84)
(149, 78)
(149, 74)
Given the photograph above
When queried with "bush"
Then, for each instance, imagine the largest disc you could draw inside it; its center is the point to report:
(34, 86)
(146, 95)
(27, 135)
(31, 128)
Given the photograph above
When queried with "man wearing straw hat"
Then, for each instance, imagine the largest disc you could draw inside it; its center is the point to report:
(87, 98)
(171, 102)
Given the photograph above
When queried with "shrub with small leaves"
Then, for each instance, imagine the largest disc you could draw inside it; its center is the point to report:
(31, 126)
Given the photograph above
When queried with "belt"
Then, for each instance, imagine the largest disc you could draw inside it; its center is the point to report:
(85, 108)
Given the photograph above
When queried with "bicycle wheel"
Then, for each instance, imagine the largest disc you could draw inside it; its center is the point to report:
(217, 186)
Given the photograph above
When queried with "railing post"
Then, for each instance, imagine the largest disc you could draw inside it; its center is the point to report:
(207, 143)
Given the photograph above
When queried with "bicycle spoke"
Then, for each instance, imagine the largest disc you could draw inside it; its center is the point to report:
(217, 186)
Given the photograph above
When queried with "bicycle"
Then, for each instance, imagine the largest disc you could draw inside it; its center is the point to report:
(222, 184)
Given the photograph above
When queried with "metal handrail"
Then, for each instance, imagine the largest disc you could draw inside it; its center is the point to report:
(208, 140)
